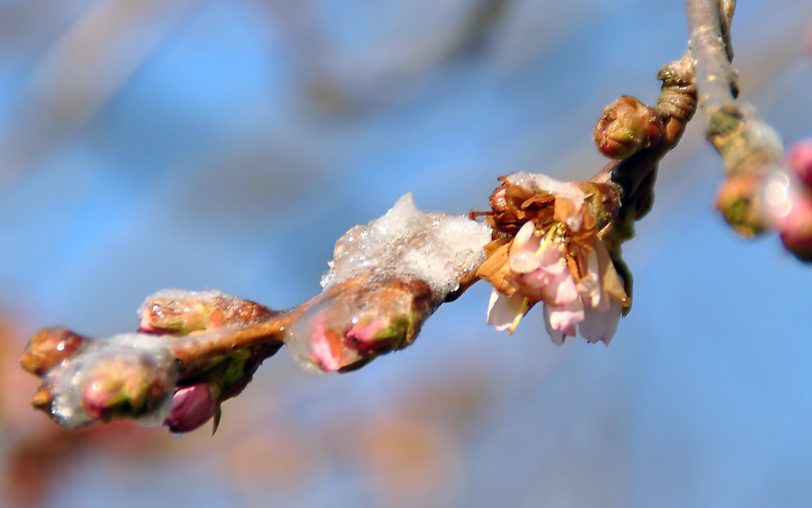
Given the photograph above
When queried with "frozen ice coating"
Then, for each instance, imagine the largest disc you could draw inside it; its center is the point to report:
(434, 247)
(68, 380)
(541, 182)
(180, 294)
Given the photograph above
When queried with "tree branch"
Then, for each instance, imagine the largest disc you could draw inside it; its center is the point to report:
(749, 148)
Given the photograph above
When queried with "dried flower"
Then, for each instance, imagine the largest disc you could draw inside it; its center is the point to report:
(556, 258)
(192, 406)
(626, 127)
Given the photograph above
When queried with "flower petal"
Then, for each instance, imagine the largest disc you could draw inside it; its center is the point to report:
(561, 291)
(600, 326)
(611, 282)
(560, 287)
(561, 321)
(523, 257)
(504, 312)
(590, 284)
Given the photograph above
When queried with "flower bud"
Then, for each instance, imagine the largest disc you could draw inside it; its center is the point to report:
(737, 201)
(184, 312)
(796, 227)
(49, 347)
(626, 127)
(498, 200)
(328, 350)
(192, 406)
(363, 321)
(800, 160)
(377, 334)
(123, 386)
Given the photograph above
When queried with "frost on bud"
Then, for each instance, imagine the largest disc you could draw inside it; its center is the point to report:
(626, 127)
(127, 375)
(183, 312)
(49, 347)
(192, 406)
(125, 386)
(364, 320)
(800, 160)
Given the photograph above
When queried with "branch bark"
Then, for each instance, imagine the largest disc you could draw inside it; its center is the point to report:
(749, 147)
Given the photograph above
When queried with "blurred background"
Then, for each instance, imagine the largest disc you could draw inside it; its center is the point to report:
(148, 144)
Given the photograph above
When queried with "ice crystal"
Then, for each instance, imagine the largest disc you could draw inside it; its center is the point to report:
(434, 247)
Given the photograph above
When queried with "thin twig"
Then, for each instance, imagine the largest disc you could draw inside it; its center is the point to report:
(749, 147)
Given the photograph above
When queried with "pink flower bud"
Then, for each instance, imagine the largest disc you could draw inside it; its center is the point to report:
(123, 387)
(379, 334)
(800, 160)
(796, 227)
(328, 350)
(192, 406)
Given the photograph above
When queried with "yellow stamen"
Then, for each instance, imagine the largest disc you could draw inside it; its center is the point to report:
(548, 237)
(518, 319)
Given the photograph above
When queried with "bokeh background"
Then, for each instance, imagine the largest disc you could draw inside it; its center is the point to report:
(147, 144)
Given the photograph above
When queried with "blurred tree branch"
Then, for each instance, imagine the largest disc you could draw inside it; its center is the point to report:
(551, 243)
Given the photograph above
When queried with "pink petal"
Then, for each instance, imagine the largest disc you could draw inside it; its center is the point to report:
(503, 310)
(590, 284)
(560, 292)
(600, 326)
(535, 280)
(552, 260)
(561, 321)
(560, 288)
(523, 251)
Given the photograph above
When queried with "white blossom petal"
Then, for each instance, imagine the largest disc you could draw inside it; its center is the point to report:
(600, 326)
(590, 284)
(504, 310)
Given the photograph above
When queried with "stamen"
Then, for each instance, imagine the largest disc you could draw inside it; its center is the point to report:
(518, 319)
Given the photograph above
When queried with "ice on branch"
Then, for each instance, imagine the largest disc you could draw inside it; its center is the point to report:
(396, 270)
(197, 349)
(548, 249)
(182, 312)
(351, 328)
(437, 248)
